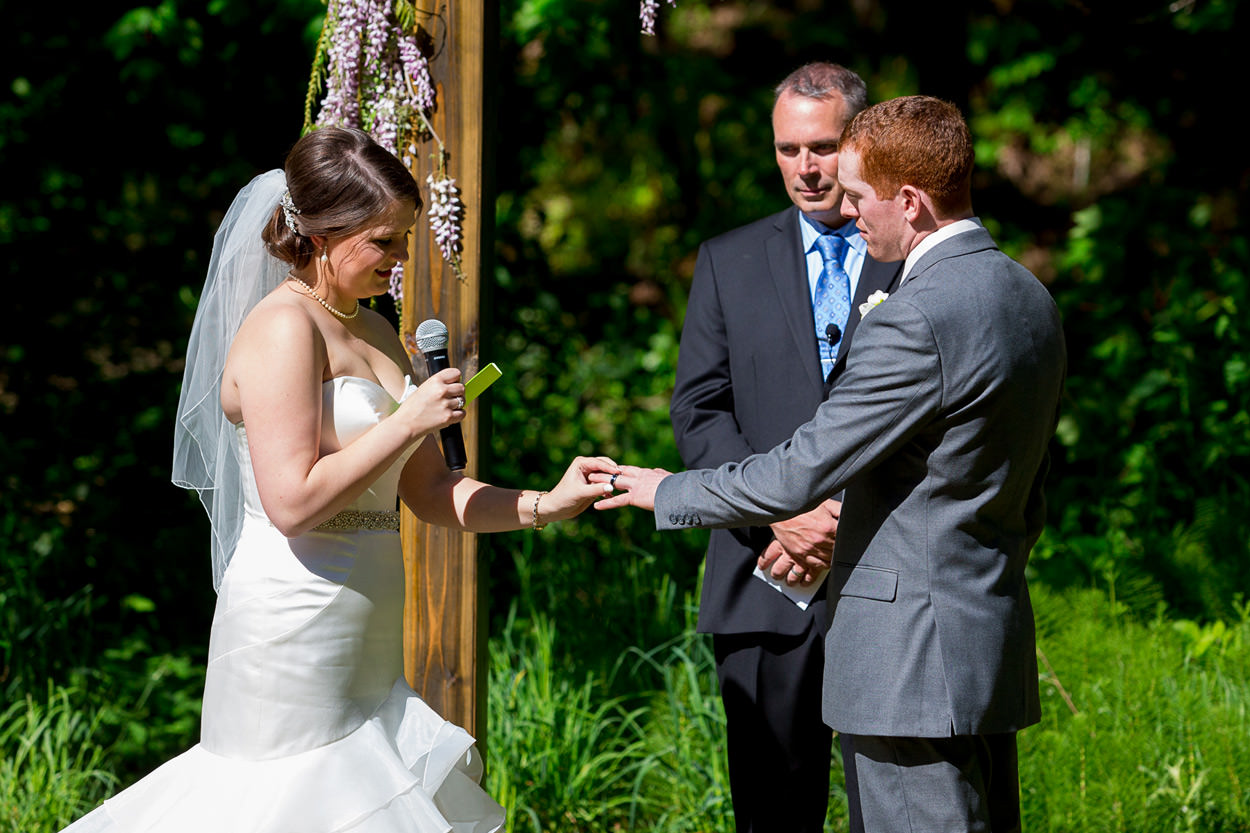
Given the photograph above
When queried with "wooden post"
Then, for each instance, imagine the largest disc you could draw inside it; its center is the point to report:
(445, 626)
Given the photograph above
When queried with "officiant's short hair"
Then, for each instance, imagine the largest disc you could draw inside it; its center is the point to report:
(823, 79)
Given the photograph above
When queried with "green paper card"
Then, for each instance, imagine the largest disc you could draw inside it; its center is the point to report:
(483, 379)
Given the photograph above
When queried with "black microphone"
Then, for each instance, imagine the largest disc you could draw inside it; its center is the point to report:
(833, 334)
(432, 341)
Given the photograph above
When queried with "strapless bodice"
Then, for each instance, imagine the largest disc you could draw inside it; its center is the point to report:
(350, 406)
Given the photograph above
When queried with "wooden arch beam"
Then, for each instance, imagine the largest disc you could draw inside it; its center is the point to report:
(444, 614)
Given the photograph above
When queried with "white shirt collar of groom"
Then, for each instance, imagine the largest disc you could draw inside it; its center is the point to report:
(942, 234)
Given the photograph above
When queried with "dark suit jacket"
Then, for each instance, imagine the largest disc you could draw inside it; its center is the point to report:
(938, 430)
(747, 375)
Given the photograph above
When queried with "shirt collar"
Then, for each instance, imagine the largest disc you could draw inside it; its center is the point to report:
(812, 229)
(944, 233)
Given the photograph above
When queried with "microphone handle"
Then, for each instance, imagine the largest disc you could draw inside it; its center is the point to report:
(453, 447)
(452, 437)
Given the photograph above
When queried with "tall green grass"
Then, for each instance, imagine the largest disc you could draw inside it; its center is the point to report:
(562, 757)
(1145, 724)
(686, 785)
(655, 754)
(565, 755)
(51, 765)
(67, 748)
(1144, 729)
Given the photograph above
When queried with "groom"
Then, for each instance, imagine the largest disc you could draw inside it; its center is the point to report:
(938, 430)
(751, 370)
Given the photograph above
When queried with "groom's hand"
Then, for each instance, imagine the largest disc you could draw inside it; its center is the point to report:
(634, 487)
(776, 562)
(803, 549)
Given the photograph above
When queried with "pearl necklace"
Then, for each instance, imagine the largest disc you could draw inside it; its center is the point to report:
(346, 316)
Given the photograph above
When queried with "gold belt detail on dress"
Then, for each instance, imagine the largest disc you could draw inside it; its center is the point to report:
(352, 519)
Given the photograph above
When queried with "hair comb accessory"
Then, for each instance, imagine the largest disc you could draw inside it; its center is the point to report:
(289, 211)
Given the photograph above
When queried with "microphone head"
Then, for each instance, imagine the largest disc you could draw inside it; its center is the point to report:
(431, 335)
(833, 333)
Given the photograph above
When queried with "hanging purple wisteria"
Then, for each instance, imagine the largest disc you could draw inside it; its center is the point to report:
(446, 212)
(377, 78)
(647, 12)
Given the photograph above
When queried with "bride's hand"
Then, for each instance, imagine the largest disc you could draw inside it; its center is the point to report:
(575, 491)
(437, 403)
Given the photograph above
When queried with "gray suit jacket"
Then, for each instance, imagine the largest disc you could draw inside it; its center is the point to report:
(748, 375)
(938, 431)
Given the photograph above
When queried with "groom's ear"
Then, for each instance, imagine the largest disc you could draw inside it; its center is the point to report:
(912, 200)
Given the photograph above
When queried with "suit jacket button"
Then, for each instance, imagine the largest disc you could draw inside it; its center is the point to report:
(672, 518)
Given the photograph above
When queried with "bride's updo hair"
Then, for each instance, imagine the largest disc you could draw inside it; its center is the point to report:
(339, 182)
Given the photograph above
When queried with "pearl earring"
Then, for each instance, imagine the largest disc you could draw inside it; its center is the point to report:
(325, 256)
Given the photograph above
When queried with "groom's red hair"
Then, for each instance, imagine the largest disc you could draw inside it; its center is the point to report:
(915, 140)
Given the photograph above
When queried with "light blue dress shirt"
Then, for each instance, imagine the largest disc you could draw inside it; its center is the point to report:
(856, 251)
(852, 262)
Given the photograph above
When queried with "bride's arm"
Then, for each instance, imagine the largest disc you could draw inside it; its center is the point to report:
(439, 496)
(276, 366)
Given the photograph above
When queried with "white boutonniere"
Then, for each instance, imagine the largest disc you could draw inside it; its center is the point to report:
(873, 299)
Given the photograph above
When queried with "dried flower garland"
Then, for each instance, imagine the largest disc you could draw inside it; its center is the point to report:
(377, 78)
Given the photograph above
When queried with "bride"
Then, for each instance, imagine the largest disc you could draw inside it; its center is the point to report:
(299, 425)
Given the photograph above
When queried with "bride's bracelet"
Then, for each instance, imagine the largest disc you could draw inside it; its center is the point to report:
(534, 518)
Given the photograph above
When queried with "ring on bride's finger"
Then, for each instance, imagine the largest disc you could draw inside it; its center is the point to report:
(612, 480)
(459, 402)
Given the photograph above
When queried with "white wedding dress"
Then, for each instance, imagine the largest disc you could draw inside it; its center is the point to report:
(308, 725)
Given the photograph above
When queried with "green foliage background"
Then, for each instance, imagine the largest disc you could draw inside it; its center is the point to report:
(1108, 163)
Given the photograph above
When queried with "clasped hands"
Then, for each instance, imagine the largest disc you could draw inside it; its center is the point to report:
(802, 548)
(800, 553)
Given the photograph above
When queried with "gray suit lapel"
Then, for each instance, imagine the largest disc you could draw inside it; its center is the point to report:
(873, 277)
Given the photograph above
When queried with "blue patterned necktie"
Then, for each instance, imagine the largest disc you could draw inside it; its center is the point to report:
(832, 305)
